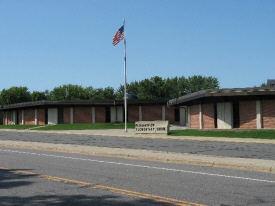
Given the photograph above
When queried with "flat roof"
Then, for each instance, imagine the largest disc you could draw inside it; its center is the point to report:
(73, 103)
(255, 91)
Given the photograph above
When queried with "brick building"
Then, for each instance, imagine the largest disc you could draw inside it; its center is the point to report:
(246, 108)
(88, 111)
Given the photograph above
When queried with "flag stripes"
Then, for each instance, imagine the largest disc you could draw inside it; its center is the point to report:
(118, 36)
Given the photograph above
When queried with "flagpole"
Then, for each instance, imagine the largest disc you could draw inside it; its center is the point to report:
(125, 82)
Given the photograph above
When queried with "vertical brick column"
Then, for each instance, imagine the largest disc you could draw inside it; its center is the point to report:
(29, 117)
(67, 115)
(248, 115)
(151, 113)
(133, 113)
(268, 113)
(170, 115)
(82, 115)
(41, 116)
(100, 115)
(208, 116)
(194, 117)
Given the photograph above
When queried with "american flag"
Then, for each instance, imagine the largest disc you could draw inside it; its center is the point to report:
(118, 36)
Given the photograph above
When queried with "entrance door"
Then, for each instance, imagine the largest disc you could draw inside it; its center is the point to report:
(224, 115)
(52, 116)
(60, 116)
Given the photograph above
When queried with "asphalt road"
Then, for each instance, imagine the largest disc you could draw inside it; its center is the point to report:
(32, 177)
(227, 149)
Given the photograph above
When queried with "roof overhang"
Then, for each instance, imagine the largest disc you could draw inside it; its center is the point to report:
(235, 92)
(82, 103)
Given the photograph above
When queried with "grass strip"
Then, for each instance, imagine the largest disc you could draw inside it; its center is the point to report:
(256, 134)
(19, 127)
(95, 126)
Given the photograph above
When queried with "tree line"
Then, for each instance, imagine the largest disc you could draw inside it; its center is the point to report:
(155, 87)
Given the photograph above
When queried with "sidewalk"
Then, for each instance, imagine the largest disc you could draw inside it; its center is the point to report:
(249, 164)
(131, 133)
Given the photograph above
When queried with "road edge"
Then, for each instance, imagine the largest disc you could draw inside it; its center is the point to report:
(256, 165)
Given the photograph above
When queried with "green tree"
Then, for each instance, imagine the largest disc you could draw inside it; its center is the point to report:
(132, 88)
(152, 88)
(157, 87)
(197, 83)
(71, 92)
(14, 95)
(176, 86)
(100, 93)
(263, 85)
(37, 96)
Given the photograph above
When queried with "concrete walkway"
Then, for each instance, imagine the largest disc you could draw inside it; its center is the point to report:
(131, 133)
(258, 165)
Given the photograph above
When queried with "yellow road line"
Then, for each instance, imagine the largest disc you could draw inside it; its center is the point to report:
(107, 188)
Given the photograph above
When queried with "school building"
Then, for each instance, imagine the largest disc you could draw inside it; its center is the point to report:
(245, 108)
(88, 111)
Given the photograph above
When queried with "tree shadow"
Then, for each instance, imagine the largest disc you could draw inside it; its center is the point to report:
(75, 200)
(10, 180)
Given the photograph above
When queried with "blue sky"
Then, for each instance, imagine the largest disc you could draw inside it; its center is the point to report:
(44, 44)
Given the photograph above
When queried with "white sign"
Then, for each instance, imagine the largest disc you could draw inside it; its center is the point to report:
(152, 127)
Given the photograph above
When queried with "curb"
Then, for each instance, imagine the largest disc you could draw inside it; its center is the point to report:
(267, 166)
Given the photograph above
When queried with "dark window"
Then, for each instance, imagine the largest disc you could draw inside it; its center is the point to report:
(236, 115)
(108, 114)
(216, 116)
(46, 116)
(177, 114)
(124, 115)
(17, 117)
(60, 116)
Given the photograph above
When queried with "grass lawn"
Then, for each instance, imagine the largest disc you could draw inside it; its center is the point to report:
(86, 126)
(258, 134)
(21, 127)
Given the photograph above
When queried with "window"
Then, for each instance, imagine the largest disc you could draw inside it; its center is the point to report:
(236, 115)
(215, 116)
(60, 116)
(108, 114)
(46, 116)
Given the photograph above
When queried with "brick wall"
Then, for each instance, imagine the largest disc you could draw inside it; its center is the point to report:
(268, 113)
(170, 115)
(82, 115)
(100, 115)
(41, 116)
(247, 112)
(208, 116)
(133, 113)
(29, 117)
(194, 117)
(9, 118)
(1, 117)
(151, 113)
(20, 117)
(6, 117)
(66, 116)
